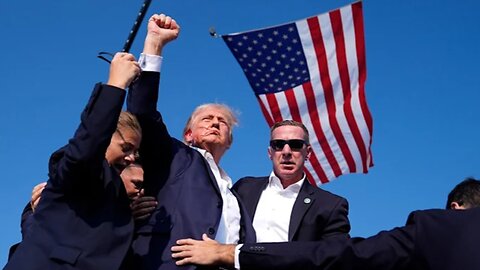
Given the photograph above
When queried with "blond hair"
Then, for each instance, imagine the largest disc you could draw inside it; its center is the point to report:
(127, 120)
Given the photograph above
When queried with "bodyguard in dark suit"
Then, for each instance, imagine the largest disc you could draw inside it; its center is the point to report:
(316, 214)
(191, 189)
(431, 240)
(84, 220)
(286, 199)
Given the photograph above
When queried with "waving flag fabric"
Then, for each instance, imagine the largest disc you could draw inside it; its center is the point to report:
(313, 71)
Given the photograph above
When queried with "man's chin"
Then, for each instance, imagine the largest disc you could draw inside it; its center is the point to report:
(211, 141)
(212, 137)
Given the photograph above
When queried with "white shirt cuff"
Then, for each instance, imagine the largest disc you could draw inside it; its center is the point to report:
(150, 62)
(237, 256)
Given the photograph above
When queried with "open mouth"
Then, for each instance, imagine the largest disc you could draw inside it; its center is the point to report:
(287, 164)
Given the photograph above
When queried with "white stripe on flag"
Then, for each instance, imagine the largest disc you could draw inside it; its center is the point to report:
(349, 34)
(313, 68)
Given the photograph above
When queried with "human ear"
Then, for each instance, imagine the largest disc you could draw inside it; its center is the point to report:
(270, 154)
(188, 136)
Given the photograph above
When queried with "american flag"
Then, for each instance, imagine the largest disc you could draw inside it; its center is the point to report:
(313, 71)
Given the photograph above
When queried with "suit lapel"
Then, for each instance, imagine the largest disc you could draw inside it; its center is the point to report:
(254, 196)
(302, 204)
(247, 232)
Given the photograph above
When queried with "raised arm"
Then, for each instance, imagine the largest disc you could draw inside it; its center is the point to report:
(143, 96)
(81, 159)
(156, 147)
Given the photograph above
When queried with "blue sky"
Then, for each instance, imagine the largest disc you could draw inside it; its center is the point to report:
(422, 89)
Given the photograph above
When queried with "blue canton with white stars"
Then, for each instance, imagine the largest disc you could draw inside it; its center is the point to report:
(272, 59)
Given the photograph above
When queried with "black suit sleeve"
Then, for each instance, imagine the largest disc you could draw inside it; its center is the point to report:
(25, 224)
(82, 158)
(338, 224)
(156, 147)
(26, 220)
(386, 250)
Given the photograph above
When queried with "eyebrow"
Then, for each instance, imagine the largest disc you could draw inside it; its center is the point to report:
(123, 138)
(211, 116)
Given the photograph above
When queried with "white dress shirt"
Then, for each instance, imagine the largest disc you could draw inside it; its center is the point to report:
(229, 227)
(274, 208)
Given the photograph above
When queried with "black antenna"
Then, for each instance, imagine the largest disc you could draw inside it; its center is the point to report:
(136, 26)
(131, 36)
(213, 32)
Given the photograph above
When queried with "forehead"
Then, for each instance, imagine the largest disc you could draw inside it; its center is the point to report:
(288, 132)
(212, 111)
(131, 136)
(133, 171)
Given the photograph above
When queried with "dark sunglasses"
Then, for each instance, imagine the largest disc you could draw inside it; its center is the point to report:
(295, 144)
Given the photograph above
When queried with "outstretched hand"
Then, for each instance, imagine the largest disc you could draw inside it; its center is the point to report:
(203, 252)
(161, 30)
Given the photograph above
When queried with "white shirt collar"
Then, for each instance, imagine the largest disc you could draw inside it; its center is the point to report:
(274, 182)
(209, 157)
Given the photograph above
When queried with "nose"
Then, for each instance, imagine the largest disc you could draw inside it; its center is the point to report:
(130, 158)
(286, 150)
(215, 122)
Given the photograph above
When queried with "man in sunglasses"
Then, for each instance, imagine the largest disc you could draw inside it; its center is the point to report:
(284, 206)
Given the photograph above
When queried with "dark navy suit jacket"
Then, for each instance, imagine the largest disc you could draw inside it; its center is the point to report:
(431, 240)
(25, 224)
(83, 220)
(189, 200)
(316, 214)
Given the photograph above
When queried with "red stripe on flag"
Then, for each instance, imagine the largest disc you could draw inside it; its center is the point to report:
(317, 127)
(316, 34)
(274, 108)
(265, 112)
(337, 28)
(293, 105)
(295, 113)
(318, 168)
(362, 70)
